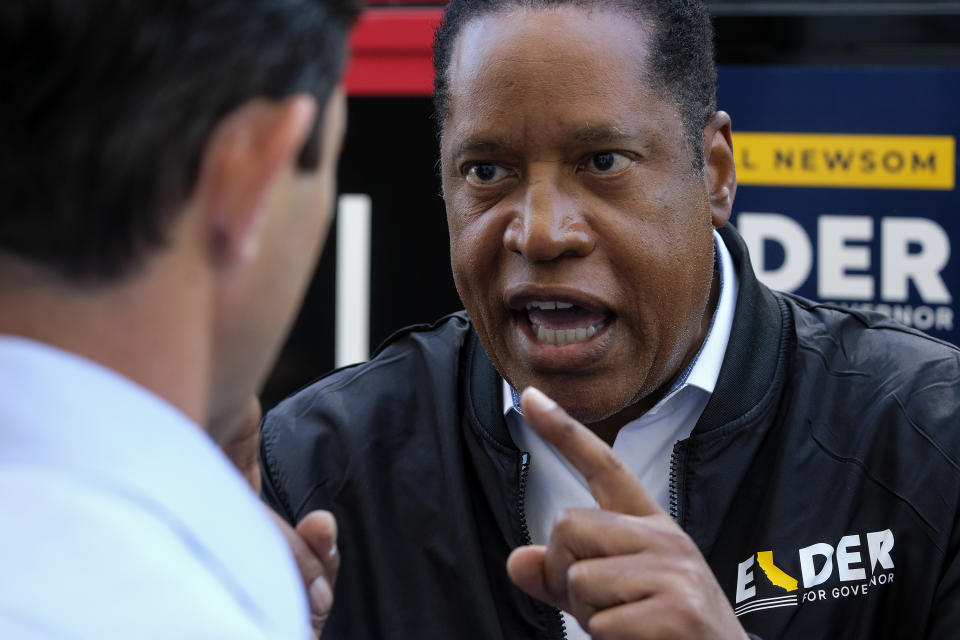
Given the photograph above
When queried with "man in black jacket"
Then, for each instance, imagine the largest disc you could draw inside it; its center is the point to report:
(779, 467)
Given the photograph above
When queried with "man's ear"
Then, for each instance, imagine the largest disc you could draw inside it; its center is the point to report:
(720, 174)
(244, 158)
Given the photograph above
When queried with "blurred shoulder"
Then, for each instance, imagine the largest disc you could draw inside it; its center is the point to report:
(92, 561)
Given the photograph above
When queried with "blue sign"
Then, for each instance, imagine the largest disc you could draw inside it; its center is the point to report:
(848, 186)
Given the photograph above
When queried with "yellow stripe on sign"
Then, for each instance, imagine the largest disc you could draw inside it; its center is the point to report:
(775, 574)
(858, 161)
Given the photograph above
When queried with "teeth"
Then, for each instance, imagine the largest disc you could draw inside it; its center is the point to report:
(549, 305)
(562, 337)
(537, 304)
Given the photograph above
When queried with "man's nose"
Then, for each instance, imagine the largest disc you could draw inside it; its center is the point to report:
(548, 224)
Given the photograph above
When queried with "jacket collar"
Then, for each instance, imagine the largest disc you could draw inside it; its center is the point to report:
(485, 404)
(754, 350)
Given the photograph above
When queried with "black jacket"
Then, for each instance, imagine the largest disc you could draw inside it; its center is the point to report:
(829, 431)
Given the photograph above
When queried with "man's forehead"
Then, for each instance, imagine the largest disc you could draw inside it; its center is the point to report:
(525, 46)
(561, 78)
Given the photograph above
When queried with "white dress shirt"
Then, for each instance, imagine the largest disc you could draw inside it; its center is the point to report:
(645, 445)
(120, 518)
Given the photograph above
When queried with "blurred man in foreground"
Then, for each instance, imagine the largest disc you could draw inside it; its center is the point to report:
(166, 184)
(761, 463)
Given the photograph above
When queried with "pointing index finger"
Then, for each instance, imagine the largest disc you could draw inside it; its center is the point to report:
(613, 485)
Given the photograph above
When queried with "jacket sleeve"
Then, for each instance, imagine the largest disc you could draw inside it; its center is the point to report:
(270, 492)
(303, 458)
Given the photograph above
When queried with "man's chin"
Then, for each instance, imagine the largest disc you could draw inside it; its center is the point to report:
(585, 404)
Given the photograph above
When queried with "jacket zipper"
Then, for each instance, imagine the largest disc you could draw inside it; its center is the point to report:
(525, 530)
(674, 481)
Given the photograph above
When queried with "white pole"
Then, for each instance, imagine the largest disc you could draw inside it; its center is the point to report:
(353, 280)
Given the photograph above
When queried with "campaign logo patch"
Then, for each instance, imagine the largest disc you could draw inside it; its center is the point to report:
(763, 585)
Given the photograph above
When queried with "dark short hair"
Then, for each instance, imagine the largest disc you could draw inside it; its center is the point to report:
(681, 59)
(108, 105)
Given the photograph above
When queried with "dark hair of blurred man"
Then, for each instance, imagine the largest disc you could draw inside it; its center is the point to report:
(166, 183)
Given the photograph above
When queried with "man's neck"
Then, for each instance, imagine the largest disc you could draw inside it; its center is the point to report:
(152, 328)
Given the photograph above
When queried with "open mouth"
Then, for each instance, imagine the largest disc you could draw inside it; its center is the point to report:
(561, 323)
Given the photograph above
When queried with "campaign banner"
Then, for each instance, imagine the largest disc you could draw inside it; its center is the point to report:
(847, 186)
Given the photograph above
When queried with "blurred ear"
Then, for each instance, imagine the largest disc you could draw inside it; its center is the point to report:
(720, 173)
(248, 153)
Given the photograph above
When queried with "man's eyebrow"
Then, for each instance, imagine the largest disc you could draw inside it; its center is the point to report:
(587, 135)
(478, 146)
(601, 134)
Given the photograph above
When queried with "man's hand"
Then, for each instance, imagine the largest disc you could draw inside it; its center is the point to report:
(313, 541)
(626, 570)
(314, 545)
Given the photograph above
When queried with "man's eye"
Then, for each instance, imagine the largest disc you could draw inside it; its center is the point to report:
(606, 162)
(486, 173)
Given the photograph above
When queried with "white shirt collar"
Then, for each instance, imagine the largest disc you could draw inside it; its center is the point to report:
(60, 410)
